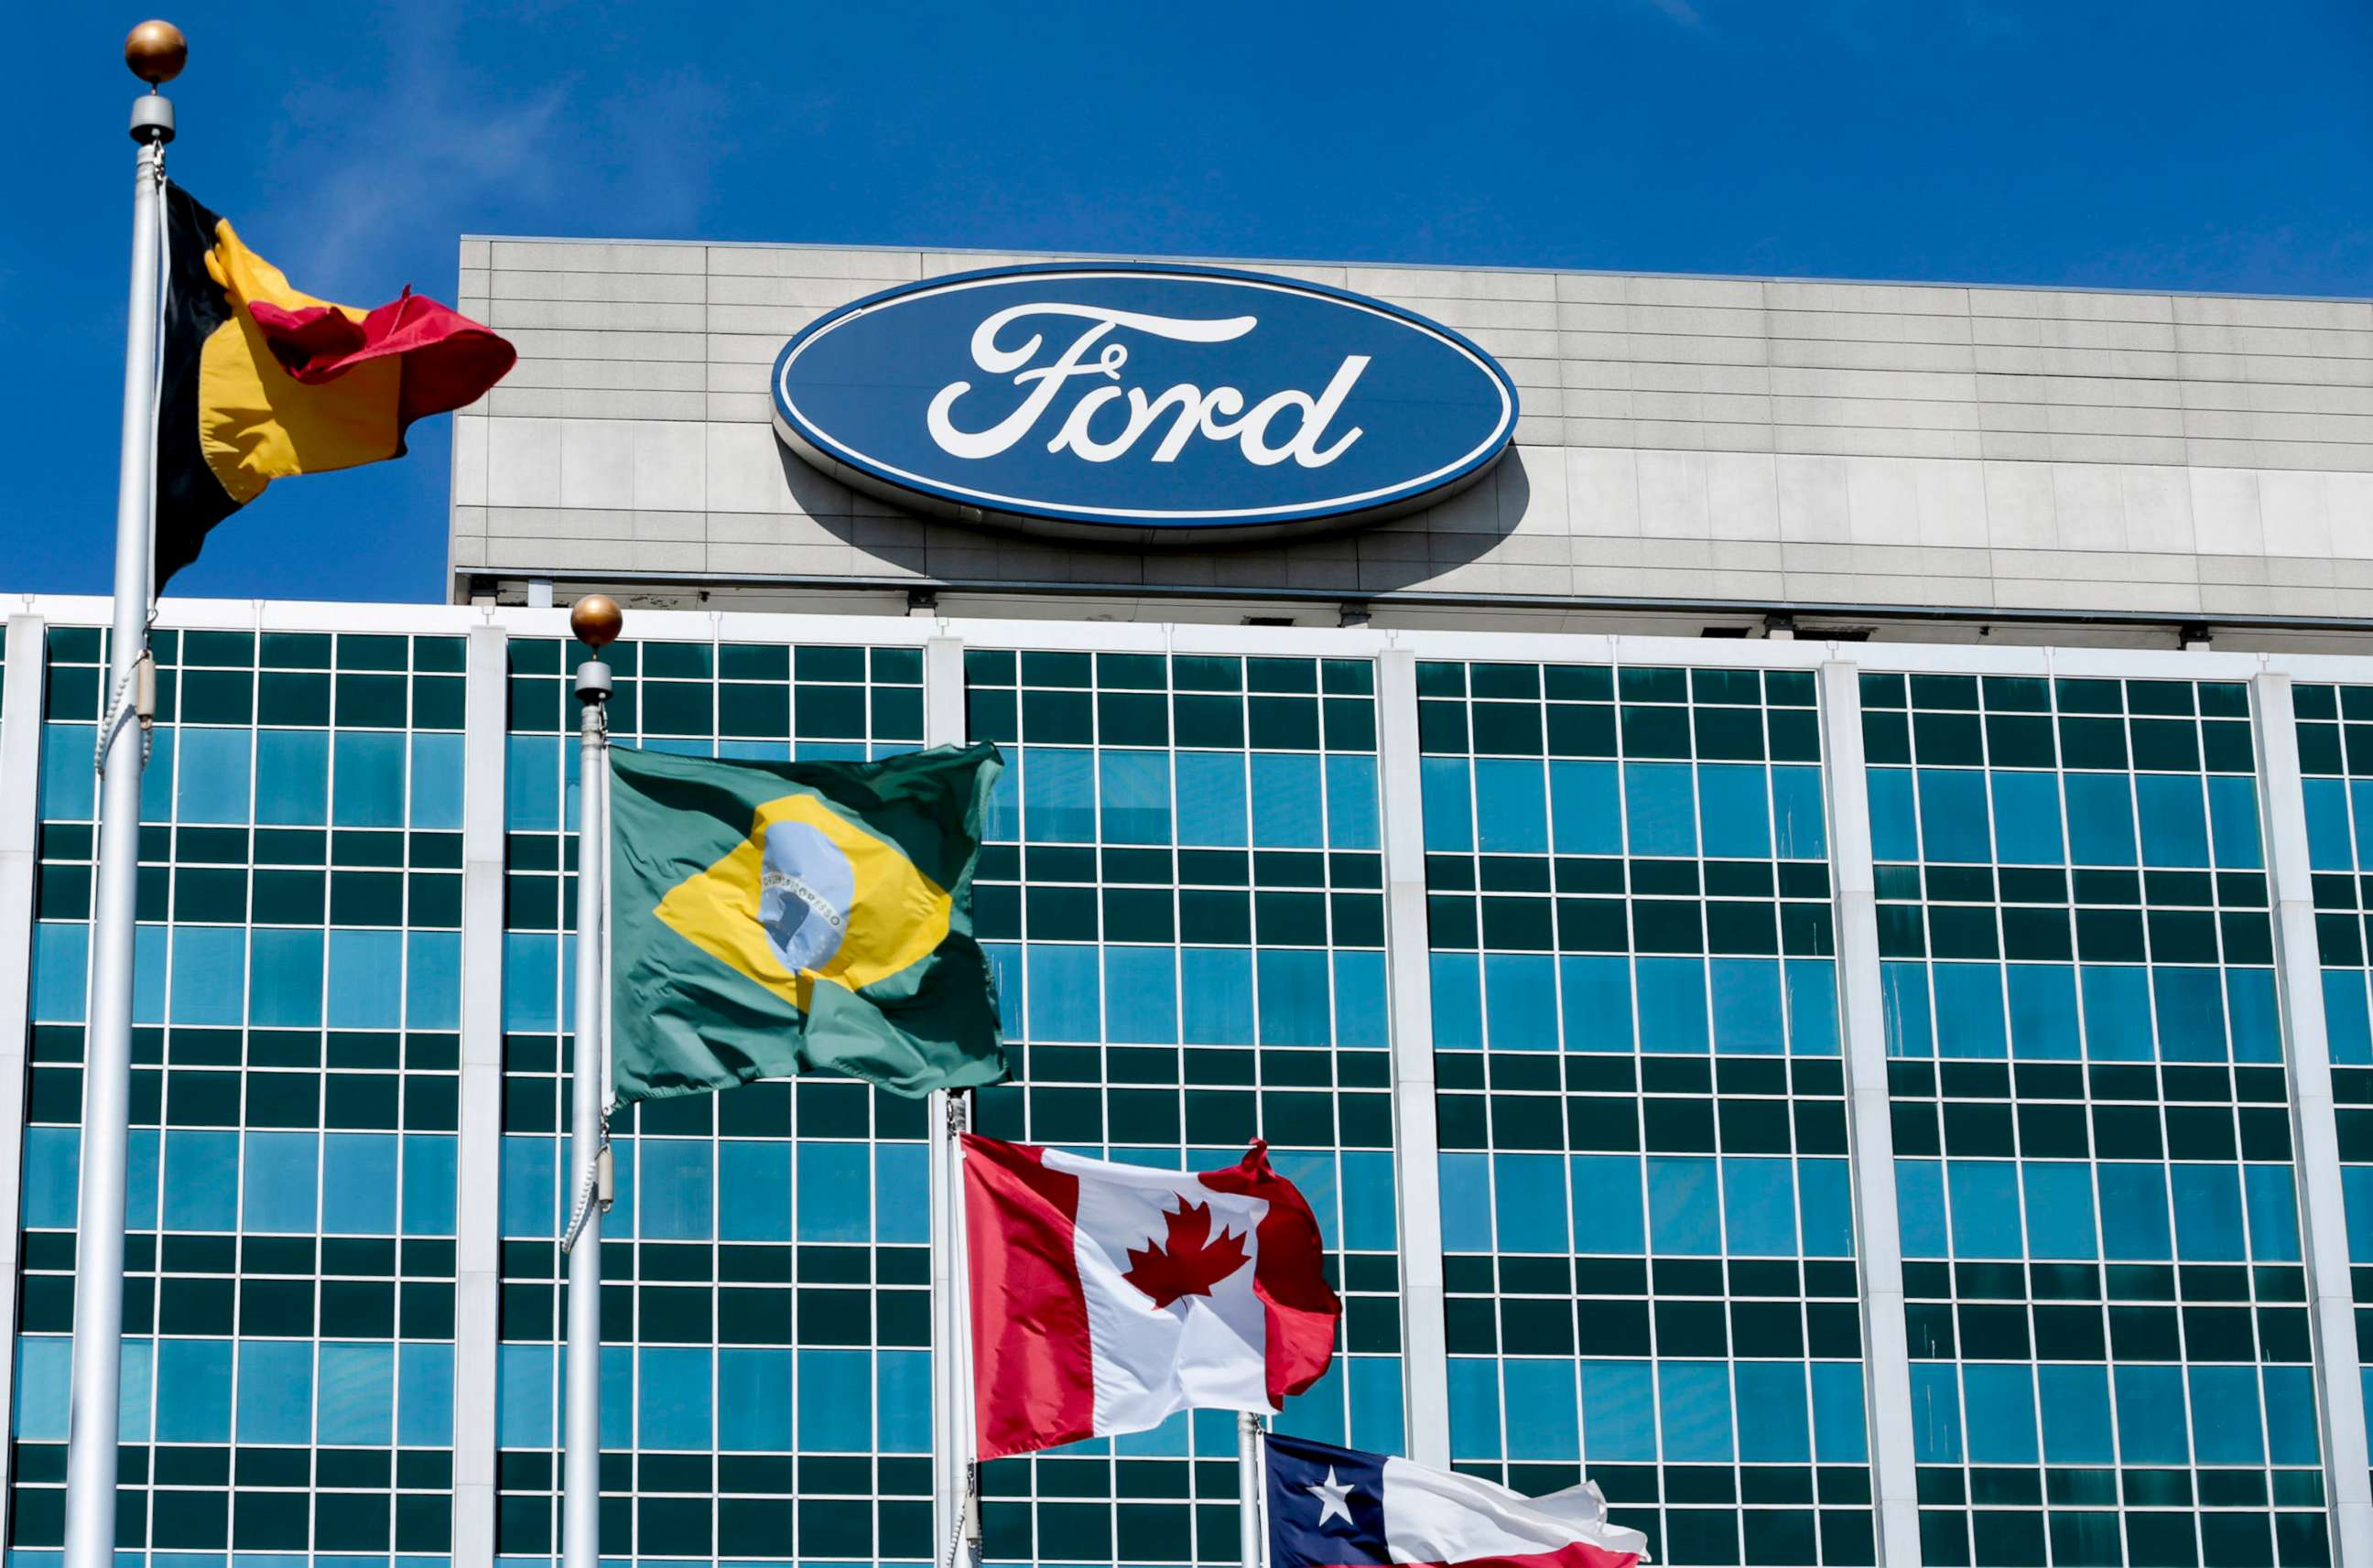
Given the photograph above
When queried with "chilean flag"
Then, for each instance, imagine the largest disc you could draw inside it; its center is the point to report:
(1332, 1507)
(1107, 1296)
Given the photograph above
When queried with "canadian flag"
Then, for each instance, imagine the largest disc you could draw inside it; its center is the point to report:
(1107, 1296)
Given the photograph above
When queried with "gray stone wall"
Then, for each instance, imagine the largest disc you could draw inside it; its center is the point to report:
(1683, 439)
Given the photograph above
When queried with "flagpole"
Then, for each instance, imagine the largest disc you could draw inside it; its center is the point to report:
(956, 1480)
(596, 622)
(155, 52)
(1248, 1489)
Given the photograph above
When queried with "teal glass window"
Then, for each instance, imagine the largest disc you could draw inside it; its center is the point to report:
(671, 1404)
(357, 1394)
(1684, 1207)
(754, 1401)
(1660, 808)
(1609, 1211)
(365, 979)
(280, 1171)
(1211, 798)
(193, 1386)
(425, 1395)
(429, 1184)
(1135, 797)
(284, 979)
(214, 774)
(1618, 1405)
(1779, 1429)
(1735, 804)
(835, 1401)
(1510, 807)
(2134, 1212)
(1999, 1407)
(292, 777)
(368, 775)
(276, 1391)
(1693, 1407)
(1288, 797)
(835, 1192)
(209, 974)
(2059, 1209)
(1586, 808)
(436, 781)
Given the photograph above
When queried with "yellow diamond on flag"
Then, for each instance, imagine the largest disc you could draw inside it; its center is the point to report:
(809, 896)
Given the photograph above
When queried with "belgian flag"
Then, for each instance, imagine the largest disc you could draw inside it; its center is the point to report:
(259, 382)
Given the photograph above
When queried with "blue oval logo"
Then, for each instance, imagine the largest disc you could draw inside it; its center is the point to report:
(1085, 398)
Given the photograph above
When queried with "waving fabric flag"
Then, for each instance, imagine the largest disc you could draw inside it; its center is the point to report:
(1332, 1507)
(774, 918)
(259, 382)
(1105, 1297)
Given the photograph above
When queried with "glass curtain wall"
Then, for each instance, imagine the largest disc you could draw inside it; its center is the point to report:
(288, 1309)
(2110, 1341)
(1651, 1256)
(765, 1370)
(1196, 960)
(1647, 1207)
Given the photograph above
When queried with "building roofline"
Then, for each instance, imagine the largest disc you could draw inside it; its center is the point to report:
(1219, 259)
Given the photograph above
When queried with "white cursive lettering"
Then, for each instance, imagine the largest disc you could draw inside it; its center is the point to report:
(1213, 415)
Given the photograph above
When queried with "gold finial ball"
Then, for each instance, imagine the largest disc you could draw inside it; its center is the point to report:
(596, 620)
(156, 51)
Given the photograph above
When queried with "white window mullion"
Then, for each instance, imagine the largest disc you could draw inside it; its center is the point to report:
(1862, 1020)
(2314, 1125)
(1425, 1365)
(20, 763)
(478, 1159)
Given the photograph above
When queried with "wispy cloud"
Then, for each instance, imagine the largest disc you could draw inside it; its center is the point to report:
(1680, 11)
(457, 155)
(382, 156)
(442, 138)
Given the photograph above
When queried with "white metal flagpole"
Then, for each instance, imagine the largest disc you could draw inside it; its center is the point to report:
(957, 1474)
(596, 621)
(947, 1322)
(156, 51)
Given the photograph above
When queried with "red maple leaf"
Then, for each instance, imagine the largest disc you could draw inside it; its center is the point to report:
(1191, 1263)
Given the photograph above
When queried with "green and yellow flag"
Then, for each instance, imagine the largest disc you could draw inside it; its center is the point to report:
(770, 919)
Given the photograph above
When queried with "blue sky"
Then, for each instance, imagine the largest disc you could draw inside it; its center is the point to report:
(2181, 144)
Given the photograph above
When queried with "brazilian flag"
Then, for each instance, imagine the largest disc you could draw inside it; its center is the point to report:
(770, 919)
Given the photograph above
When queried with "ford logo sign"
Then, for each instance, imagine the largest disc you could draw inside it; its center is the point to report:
(1141, 403)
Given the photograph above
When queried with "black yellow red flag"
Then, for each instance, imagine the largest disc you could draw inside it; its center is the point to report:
(260, 381)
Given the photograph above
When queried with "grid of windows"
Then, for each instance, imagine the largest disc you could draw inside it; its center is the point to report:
(1196, 960)
(289, 1313)
(1649, 1233)
(2110, 1348)
(765, 1301)
(1647, 1205)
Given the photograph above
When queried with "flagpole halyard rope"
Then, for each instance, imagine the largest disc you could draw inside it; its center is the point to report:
(590, 1186)
(136, 693)
(130, 701)
(587, 1192)
(965, 1506)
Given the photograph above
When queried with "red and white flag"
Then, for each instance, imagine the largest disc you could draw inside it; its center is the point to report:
(1107, 1296)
